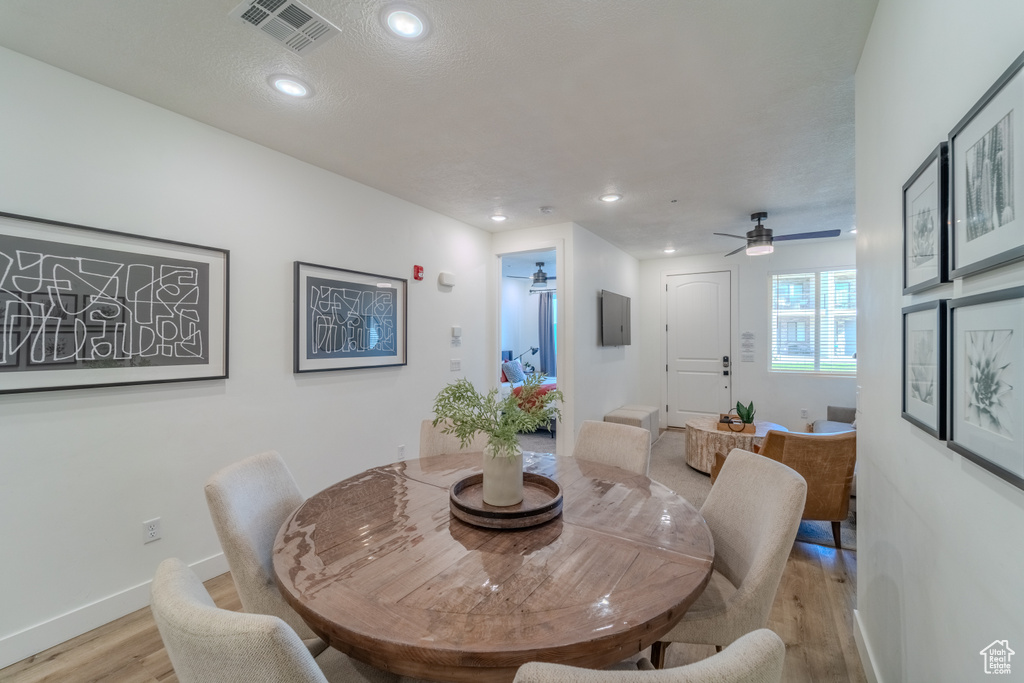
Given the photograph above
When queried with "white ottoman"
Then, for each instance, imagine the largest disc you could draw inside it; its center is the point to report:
(645, 417)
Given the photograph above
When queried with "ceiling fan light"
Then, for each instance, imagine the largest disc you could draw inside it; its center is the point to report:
(760, 249)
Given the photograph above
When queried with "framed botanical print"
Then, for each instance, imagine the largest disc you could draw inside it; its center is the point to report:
(986, 151)
(346, 319)
(85, 307)
(925, 205)
(924, 366)
(987, 381)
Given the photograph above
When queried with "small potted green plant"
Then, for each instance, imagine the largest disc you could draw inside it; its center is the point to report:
(464, 411)
(745, 413)
(742, 422)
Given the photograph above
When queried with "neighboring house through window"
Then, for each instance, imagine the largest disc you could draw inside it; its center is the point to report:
(814, 322)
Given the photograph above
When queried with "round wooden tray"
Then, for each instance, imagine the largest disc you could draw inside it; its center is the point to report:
(542, 501)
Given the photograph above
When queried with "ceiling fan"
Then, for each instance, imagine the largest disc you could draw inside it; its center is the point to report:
(540, 278)
(760, 239)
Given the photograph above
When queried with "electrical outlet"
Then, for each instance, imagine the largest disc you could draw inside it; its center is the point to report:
(455, 365)
(803, 413)
(401, 451)
(151, 531)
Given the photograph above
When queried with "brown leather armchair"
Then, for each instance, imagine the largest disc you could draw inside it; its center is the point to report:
(826, 461)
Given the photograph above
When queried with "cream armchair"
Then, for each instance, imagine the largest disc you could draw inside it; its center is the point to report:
(757, 657)
(753, 511)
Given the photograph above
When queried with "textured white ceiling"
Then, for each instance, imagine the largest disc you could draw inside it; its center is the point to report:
(699, 112)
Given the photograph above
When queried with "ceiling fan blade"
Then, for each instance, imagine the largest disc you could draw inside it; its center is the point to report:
(521, 277)
(725, 234)
(808, 235)
(736, 251)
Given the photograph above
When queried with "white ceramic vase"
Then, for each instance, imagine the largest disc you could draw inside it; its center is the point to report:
(503, 478)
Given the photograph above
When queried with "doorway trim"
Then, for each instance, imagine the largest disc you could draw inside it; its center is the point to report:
(565, 434)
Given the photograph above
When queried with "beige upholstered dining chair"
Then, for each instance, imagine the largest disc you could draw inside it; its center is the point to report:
(754, 658)
(615, 444)
(207, 644)
(434, 442)
(249, 501)
(753, 511)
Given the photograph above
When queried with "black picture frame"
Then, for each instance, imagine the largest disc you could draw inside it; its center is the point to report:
(173, 325)
(924, 367)
(348, 319)
(986, 179)
(925, 216)
(986, 361)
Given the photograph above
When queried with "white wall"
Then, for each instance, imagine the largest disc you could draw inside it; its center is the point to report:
(606, 376)
(520, 325)
(778, 397)
(940, 547)
(80, 470)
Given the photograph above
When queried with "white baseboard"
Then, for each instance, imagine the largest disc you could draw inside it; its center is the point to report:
(35, 639)
(867, 660)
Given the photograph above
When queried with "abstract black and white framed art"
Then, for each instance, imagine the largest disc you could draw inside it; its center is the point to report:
(986, 150)
(924, 366)
(346, 319)
(85, 307)
(986, 387)
(925, 204)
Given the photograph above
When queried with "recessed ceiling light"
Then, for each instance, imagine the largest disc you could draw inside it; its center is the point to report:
(289, 85)
(611, 197)
(670, 250)
(405, 24)
(498, 218)
(853, 231)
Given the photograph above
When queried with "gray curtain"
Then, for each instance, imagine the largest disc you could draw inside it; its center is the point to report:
(546, 326)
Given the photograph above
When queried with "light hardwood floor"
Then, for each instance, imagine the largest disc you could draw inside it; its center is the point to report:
(813, 613)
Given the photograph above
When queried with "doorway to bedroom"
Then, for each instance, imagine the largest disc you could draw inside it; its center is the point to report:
(529, 328)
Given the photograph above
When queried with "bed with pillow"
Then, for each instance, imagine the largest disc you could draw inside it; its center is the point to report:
(512, 374)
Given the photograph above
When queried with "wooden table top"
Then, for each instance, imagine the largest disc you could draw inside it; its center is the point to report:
(377, 567)
(710, 424)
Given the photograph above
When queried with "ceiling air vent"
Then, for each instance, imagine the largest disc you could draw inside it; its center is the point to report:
(300, 29)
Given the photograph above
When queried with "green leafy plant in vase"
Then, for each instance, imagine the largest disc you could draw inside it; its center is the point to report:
(463, 411)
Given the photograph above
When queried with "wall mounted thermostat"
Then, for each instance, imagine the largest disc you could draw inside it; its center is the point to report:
(417, 272)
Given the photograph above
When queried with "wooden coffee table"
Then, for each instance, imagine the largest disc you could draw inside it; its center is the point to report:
(378, 567)
(703, 440)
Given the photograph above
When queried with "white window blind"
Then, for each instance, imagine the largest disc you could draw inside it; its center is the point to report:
(814, 322)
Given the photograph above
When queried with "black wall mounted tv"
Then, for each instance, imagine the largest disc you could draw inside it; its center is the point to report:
(614, 319)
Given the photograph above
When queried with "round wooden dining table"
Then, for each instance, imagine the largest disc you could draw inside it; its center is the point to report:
(380, 569)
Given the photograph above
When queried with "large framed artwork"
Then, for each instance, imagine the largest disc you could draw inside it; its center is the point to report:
(986, 155)
(987, 391)
(85, 307)
(924, 366)
(346, 319)
(925, 204)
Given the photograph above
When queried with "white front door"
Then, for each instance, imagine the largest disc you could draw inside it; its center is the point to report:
(699, 352)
